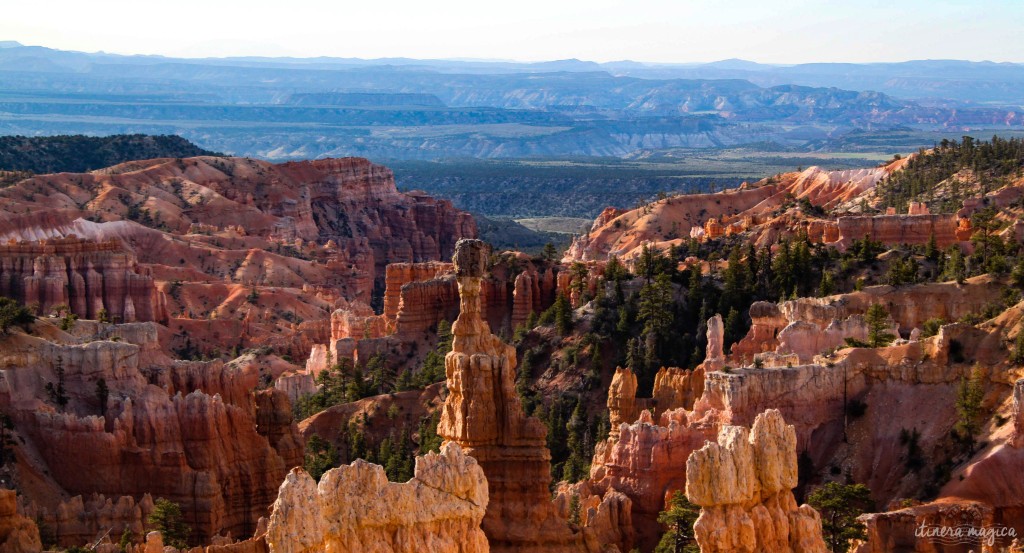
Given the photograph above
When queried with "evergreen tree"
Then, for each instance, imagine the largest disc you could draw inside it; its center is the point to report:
(578, 279)
(827, 286)
(655, 307)
(102, 395)
(575, 468)
(562, 312)
(381, 374)
(877, 319)
(550, 253)
(321, 457)
(956, 267)
(13, 314)
(679, 517)
(615, 271)
(931, 251)
(167, 519)
(58, 392)
(840, 505)
(968, 408)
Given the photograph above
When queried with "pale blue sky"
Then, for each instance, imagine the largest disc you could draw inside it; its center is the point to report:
(776, 31)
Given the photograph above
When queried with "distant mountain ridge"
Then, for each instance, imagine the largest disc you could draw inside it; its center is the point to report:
(288, 108)
(959, 80)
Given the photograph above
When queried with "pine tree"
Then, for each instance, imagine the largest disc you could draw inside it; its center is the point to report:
(840, 505)
(102, 395)
(877, 319)
(827, 286)
(679, 516)
(655, 307)
(167, 519)
(320, 457)
(576, 464)
(550, 252)
(562, 315)
(968, 408)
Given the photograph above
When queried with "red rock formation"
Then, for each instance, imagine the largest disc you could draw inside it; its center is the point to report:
(743, 485)
(748, 209)
(533, 293)
(18, 534)
(213, 454)
(78, 521)
(483, 415)
(1018, 414)
(806, 327)
(909, 385)
(215, 232)
(606, 520)
(400, 274)
(899, 229)
(897, 530)
(766, 320)
(622, 406)
(84, 275)
(676, 388)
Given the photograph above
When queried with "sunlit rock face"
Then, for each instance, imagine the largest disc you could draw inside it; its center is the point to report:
(743, 484)
(483, 415)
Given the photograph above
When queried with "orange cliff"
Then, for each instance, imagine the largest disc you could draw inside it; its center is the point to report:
(192, 432)
(483, 415)
(764, 212)
(215, 233)
(86, 276)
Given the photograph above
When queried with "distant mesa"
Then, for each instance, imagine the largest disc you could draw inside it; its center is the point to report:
(365, 99)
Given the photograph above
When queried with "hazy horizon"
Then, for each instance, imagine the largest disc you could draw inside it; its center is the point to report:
(786, 32)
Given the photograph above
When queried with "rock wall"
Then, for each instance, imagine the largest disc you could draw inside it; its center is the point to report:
(743, 485)
(483, 415)
(902, 229)
(676, 388)
(806, 327)
(18, 534)
(533, 292)
(211, 446)
(81, 520)
(355, 508)
(397, 276)
(1018, 413)
(86, 276)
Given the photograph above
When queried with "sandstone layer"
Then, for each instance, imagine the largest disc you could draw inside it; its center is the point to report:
(85, 276)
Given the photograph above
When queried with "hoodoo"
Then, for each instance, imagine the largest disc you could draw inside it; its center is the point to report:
(483, 415)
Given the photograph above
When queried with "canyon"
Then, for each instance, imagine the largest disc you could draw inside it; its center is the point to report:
(218, 299)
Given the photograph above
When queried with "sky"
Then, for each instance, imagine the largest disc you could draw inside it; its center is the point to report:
(667, 31)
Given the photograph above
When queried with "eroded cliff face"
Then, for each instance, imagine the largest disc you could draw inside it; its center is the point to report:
(483, 415)
(1018, 414)
(355, 508)
(911, 384)
(85, 276)
(241, 250)
(743, 484)
(18, 534)
(421, 295)
(767, 211)
(194, 435)
(807, 327)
